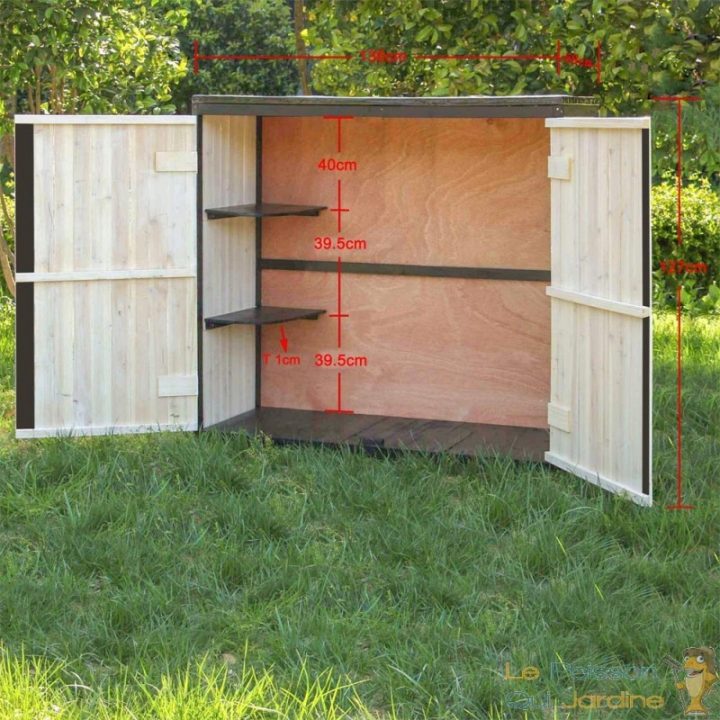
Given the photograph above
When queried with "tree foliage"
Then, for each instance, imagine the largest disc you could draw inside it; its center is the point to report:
(125, 56)
(700, 235)
(89, 56)
(81, 56)
(238, 27)
(648, 47)
(701, 137)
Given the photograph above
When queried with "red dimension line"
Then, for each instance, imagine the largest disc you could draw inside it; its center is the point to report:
(568, 59)
(197, 57)
(679, 505)
(485, 57)
(679, 407)
(339, 314)
(557, 57)
(275, 57)
(679, 99)
(339, 409)
(339, 119)
(678, 172)
(339, 209)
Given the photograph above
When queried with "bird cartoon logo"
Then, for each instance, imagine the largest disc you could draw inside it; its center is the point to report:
(698, 669)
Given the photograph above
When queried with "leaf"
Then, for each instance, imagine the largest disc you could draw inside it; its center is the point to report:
(424, 33)
(629, 10)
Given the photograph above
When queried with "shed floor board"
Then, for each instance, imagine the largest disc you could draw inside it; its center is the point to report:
(286, 425)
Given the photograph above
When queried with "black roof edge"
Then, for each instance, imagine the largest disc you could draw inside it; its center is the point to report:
(466, 106)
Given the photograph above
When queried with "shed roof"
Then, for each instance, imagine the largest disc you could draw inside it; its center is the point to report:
(481, 106)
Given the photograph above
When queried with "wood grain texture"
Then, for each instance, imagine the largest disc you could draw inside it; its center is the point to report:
(639, 311)
(100, 204)
(177, 385)
(463, 192)
(446, 349)
(94, 431)
(228, 178)
(559, 417)
(392, 433)
(85, 275)
(101, 345)
(598, 123)
(115, 120)
(559, 168)
(597, 347)
(176, 161)
(101, 348)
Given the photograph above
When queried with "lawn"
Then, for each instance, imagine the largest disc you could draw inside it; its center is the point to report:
(209, 576)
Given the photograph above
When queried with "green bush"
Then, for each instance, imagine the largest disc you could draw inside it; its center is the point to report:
(7, 222)
(232, 27)
(7, 362)
(701, 244)
(7, 343)
(701, 137)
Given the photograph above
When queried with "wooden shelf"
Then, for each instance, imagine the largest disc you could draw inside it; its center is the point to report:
(258, 210)
(262, 316)
(381, 432)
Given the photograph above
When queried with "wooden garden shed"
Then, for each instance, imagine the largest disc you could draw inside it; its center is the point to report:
(461, 274)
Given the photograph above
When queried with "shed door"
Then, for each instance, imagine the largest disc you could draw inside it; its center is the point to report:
(599, 414)
(106, 261)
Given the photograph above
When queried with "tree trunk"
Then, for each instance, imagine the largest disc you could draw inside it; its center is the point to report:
(7, 256)
(299, 13)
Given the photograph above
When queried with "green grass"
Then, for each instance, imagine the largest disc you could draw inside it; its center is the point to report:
(167, 576)
(7, 364)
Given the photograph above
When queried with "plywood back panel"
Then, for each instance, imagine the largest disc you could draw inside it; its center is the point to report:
(464, 350)
(102, 211)
(228, 161)
(463, 192)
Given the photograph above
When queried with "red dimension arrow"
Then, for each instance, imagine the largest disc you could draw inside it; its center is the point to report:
(339, 119)
(378, 56)
(283, 339)
(339, 314)
(339, 410)
(557, 57)
(339, 209)
(679, 99)
(197, 57)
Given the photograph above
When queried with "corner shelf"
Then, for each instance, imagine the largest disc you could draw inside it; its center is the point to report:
(266, 315)
(258, 210)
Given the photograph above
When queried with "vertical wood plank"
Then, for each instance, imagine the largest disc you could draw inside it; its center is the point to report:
(101, 345)
(597, 363)
(228, 162)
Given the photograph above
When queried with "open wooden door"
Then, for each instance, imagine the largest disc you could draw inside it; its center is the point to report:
(106, 274)
(600, 409)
